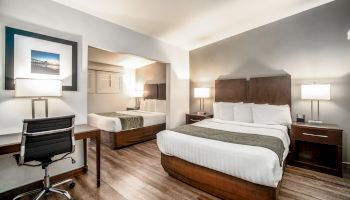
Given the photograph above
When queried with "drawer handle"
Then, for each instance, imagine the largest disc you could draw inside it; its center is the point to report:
(315, 135)
(194, 120)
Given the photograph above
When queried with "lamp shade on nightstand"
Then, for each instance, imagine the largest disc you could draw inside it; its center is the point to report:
(316, 92)
(38, 88)
(201, 92)
(138, 93)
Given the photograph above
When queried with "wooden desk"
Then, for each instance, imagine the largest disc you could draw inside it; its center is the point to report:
(81, 132)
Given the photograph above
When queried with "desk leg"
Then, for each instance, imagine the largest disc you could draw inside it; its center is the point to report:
(98, 158)
(85, 155)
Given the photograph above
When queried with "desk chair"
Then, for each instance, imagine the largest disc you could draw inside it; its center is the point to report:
(42, 139)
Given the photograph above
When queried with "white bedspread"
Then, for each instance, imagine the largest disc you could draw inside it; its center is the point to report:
(251, 163)
(113, 123)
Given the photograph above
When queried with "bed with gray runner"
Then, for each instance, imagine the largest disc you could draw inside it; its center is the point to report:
(273, 143)
(127, 121)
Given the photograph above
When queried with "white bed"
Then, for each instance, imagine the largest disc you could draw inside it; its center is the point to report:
(251, 163)
(113, 124)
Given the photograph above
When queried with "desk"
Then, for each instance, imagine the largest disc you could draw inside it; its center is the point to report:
(81, 132)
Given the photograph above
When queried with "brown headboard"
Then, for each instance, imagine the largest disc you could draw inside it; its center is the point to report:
(275, 90)
(154, 91)
(162, 91)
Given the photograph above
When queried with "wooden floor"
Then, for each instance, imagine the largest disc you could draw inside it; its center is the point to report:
(135, 173)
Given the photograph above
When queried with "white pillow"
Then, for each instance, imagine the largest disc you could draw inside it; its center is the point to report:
(272, 114)
(150, 105)
(224, 110)
(143, 105)
(243, 112)
(161, 106)
(216, 110)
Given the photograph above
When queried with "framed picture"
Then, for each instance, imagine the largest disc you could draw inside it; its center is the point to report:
(33, 55)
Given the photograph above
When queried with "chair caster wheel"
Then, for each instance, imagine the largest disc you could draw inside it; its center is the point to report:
(71, 185)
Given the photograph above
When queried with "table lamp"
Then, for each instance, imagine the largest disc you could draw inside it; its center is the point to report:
(315, 92)
(138, 96)
(37, 89)
(201, 93)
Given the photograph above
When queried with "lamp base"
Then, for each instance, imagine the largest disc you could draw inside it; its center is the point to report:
(315, 122)
(201, 113)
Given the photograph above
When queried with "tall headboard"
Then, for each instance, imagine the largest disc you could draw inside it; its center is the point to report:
(154, 91)
(275, 90)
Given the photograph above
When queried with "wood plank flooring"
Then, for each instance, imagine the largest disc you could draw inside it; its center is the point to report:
(136, 173)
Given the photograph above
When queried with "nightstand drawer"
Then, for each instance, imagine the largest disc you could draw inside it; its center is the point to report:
(323, 136)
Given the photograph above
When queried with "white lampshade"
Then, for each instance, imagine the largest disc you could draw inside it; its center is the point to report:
(38, 88)
(201, 92)
(316, 92)
(138, 93)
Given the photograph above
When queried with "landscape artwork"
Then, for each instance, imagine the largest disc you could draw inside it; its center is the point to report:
(45, 63)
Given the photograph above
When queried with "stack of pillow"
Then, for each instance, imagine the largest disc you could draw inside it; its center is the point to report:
(253, 113)
(153, 105)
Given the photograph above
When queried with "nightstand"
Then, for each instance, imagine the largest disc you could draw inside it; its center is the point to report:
(132, 108)
(317, 147)
(192, 118)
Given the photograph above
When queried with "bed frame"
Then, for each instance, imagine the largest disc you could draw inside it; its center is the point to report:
(117, 140)
(274, 90)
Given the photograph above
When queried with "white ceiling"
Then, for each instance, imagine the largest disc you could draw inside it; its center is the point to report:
(191, 24)
(118, 59)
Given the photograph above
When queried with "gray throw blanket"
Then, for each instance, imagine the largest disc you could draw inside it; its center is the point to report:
(127, 121)
(273, 143)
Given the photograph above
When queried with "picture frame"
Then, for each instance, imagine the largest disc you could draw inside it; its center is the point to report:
(34, 55)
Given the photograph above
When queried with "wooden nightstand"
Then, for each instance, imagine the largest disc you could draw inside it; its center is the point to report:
(317, 147)
(192, 118)
(132, 108)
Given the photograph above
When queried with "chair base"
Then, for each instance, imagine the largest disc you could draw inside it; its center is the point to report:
(41, 192)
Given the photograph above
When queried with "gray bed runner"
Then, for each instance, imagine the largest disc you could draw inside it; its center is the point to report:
(273, 143)
(127, 121)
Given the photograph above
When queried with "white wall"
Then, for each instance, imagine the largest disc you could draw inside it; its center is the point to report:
(44, 16)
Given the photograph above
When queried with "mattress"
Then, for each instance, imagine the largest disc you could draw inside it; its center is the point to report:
(113, 124)
(251, 163)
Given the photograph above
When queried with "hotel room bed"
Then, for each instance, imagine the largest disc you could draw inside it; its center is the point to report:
(251, 163)
(229, 169)
(124, 128)
(113, 124)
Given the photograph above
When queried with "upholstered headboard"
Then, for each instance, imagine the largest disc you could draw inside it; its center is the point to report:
(154, 91)
(275, 90)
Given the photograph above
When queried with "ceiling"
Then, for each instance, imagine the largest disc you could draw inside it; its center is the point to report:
(191, 24)
(118, 59)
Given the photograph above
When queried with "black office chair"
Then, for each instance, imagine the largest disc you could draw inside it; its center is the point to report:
(42, 139)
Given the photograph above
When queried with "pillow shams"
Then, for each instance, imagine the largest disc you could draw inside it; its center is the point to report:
(224, 110)
(143, 105)
(271, 114)
(161, 106)
(243, 112)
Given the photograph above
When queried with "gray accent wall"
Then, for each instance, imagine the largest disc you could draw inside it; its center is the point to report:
(310, 46)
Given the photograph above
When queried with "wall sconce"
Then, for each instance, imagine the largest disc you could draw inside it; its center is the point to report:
(349, 35)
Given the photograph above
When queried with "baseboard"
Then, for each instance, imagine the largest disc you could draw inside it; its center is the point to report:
(39, 184)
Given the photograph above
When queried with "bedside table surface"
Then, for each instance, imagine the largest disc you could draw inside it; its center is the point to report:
(206, 115)
(317, 126)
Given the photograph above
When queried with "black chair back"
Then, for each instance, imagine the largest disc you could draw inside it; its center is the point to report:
(44, 138)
